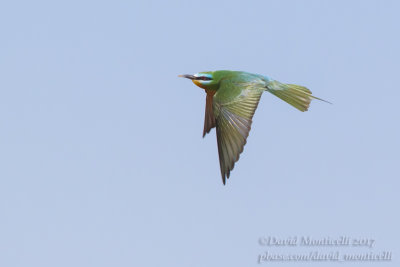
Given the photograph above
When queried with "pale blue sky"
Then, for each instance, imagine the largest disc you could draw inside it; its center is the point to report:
(101, 157)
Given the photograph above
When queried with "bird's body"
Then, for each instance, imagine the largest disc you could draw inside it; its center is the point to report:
(232, 98)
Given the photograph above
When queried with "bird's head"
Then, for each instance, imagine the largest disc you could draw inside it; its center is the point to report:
(206, 80)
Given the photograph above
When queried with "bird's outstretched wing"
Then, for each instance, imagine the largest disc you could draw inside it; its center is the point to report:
(234, 105)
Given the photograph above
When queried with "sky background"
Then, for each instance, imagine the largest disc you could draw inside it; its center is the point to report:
(102, 162)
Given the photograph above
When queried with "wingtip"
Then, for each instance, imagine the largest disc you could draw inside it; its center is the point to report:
(223, 178)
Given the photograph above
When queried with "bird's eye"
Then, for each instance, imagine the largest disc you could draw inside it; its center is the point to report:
(204, 78)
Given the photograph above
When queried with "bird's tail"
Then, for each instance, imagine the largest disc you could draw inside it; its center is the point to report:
(296, 95)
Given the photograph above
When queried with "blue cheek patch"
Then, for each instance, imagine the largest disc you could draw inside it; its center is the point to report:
(205, 82)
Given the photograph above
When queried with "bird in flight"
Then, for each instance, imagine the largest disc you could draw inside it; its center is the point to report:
(232, 98)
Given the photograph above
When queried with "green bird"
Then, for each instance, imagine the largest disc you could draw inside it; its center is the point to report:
(232, 98)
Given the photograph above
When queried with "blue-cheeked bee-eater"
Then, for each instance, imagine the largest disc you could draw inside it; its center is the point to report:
(232, 98)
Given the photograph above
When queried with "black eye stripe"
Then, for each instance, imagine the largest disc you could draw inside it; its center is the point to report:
(203, 78)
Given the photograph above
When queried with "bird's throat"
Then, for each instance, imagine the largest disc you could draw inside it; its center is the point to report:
(199, 84)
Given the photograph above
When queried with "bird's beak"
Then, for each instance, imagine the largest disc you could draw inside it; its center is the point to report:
(187, 76)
